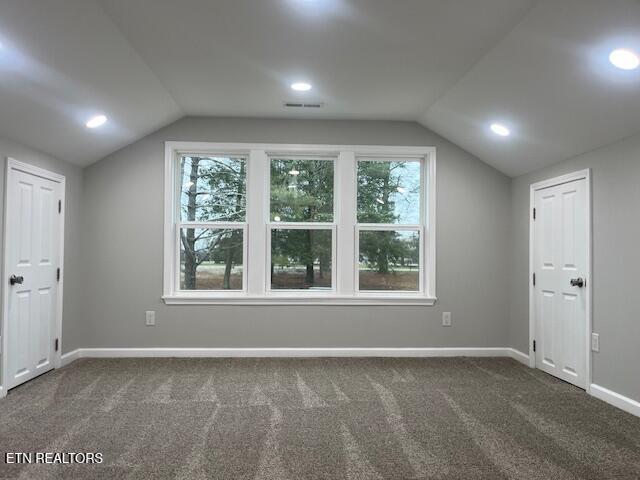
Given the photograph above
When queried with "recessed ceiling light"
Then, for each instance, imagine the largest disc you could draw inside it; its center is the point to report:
(301, 86)
(624, 59)
(96, 121)
(500, 129)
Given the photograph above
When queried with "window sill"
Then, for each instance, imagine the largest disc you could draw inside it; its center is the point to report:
(333, 300)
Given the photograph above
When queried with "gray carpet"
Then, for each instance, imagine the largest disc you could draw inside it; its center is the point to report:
(460, 418)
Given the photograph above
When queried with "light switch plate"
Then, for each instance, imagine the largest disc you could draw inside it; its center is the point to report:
(446, 319)
(595, 342)
(150, 318)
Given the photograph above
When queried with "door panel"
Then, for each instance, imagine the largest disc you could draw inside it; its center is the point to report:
(560, 254)
(569, 247)
(32, 246)
(46, 206)
(570, 325)
(43, 333)
(21, 366)
(25, 223)
(547, 326)
(547, 231)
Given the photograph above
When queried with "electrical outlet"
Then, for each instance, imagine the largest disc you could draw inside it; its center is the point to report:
(446, 319)
(150, 318)
(595, 342)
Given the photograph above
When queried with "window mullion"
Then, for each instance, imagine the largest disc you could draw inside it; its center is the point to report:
(345, 196)
(257, 204)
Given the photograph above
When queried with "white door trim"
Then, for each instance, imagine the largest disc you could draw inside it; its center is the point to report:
(551, 182)
(15, 165)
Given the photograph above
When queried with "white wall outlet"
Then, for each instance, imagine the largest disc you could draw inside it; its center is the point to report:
(446, 319)
(595, 342)
(150, 318)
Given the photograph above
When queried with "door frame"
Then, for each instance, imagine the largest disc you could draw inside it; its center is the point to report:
(552, 182)
(12, 165)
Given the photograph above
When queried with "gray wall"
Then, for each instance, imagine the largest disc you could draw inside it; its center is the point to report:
(616, 260)
(122, 256)
(72, 324)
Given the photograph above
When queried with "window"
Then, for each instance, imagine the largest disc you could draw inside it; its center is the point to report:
(299, 224)
(211, 230)
(301, 238)
(389, 224)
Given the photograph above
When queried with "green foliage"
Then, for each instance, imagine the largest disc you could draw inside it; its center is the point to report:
(213, 189)
(388, 193)
(302, 190)
(384, 250)
(300, 247)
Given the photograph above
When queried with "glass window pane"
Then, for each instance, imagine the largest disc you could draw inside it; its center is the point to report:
(301, 190)
(301, 259)
(389, 260)
(389, 192)
(211, 259)
(212, 189)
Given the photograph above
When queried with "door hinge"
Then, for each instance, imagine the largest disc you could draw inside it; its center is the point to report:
(534, 345)
(59, 206)
(56, 343)
(58, 274)
(534, 279)
(534, 213)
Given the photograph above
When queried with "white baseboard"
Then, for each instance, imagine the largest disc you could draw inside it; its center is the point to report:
(519, 356)
(624, 403)
(289, 352)
(71, 356)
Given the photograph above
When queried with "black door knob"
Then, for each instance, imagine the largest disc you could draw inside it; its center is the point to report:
(14, 279)
(577, 282)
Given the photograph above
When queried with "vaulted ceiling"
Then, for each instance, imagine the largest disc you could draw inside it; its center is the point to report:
(455, 66)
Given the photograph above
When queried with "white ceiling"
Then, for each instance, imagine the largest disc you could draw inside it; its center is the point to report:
(455, 66)
(551, 81)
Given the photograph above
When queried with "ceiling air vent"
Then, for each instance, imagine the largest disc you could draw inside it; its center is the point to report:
(303, 105)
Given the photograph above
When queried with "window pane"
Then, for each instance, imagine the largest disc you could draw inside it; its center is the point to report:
(212, 188)
(389, 192)
(211, 259)
(301, 259)
(389, 260)
(301, 190)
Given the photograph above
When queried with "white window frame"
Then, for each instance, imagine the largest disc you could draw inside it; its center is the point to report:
(258, 225)
(272, 225)
(214, 225)
(396, 227)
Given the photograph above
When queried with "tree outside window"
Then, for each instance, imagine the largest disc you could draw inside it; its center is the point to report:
(389, 194)
(213, 189)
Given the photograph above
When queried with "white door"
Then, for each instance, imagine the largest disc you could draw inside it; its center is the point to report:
(32, 254)
(560, 267)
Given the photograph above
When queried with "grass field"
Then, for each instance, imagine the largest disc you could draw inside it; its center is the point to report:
(405, 280)
(210, 276)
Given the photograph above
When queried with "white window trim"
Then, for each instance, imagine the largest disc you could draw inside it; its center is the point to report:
(257, 227)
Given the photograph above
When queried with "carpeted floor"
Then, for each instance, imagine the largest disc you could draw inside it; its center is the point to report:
(458, 418)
